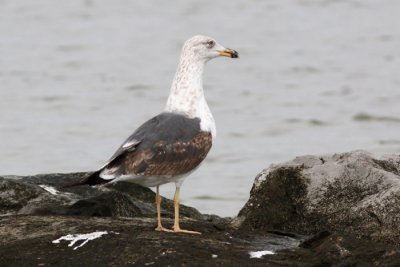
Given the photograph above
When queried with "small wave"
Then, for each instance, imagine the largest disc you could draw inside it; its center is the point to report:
(136, 87)
(368, 117)
(209, 197)
(389, 142)
(315, 122)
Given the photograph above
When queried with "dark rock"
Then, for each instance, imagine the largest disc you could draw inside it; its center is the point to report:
(334, 249)
(107, 204)
(19, 197)
(351, 193)
(14, 196)
(353, 196)
(27, 240)
(44, 195)
(279, 204)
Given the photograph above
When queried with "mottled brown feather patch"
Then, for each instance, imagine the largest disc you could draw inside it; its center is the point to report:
(165, 159)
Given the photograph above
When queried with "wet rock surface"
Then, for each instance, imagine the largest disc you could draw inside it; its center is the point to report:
(351, 193)
(308, 212)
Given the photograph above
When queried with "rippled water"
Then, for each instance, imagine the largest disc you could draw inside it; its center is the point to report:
(315, 76)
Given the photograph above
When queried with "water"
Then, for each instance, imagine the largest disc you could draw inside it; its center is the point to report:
(77, 77)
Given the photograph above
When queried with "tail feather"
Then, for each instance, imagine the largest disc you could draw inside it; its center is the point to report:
(91, 179)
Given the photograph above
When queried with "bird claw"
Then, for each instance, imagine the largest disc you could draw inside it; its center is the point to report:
(176, 230)
(179, 230)
(162, 229)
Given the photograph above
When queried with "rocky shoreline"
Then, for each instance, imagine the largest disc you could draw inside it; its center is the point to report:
(331, 210)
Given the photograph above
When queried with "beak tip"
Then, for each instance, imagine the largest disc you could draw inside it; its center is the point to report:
(234, 54)
(229, 53)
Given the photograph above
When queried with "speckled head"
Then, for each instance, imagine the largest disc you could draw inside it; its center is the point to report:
(201, 47)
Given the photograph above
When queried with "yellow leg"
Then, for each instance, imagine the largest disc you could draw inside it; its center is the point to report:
(158, 204)
(176, 227)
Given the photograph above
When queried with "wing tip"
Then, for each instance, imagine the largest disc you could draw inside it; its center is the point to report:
(90, 179)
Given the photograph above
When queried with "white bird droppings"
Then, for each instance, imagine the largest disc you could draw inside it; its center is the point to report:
(80, 237)
(259, 254)
(50, 189)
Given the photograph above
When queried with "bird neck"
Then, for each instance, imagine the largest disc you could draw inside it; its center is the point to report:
(186, 94)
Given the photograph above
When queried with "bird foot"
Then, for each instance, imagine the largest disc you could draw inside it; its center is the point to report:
(179, 230)
(162, 229)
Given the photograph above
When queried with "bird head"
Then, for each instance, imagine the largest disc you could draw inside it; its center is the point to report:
(205, 48)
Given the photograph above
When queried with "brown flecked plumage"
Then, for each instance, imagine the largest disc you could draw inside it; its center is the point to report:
(164, 159)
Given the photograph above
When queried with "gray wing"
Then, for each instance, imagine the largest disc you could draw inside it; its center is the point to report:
(129, 145)
(168, 144)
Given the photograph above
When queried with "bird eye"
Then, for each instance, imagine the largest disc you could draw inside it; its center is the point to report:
(210, 44)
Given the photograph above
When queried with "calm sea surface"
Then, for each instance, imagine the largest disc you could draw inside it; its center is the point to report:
(315, 76)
